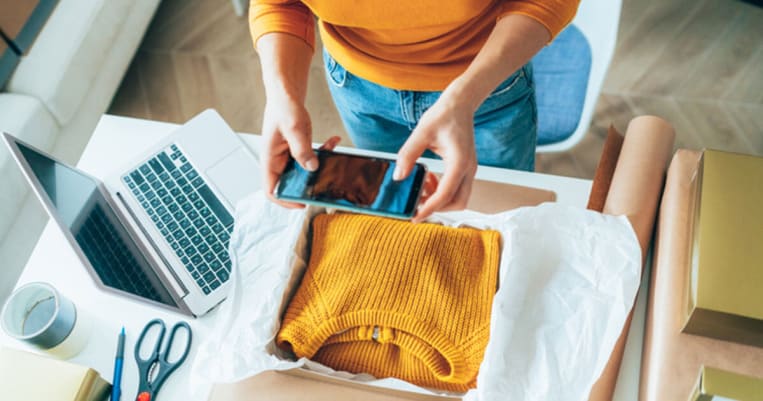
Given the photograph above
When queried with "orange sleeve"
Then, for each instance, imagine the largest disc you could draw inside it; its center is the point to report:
(286, 16)
(553, 14)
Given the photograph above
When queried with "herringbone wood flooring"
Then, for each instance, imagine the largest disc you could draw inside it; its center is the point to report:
(697, 63)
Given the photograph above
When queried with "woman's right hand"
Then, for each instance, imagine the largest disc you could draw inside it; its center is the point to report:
(286, 130)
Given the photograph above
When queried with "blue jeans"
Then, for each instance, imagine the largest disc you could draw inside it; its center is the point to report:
(380, 118)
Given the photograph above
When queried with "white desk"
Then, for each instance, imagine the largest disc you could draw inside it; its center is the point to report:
(116, 141)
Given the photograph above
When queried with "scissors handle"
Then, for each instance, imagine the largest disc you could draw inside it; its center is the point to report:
(157, 368)
(155, 352)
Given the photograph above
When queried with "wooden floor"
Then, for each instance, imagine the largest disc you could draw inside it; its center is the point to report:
(697, 63)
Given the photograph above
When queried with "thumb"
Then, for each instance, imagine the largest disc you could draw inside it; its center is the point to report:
(301, 149)
(412, 149)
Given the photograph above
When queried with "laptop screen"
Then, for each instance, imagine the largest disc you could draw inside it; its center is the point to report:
(82, 208)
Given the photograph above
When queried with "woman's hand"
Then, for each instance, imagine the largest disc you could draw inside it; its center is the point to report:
(286, 131)
(447, 129)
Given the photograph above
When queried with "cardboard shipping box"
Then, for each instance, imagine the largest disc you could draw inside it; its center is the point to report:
(724, 297)
(720, 385)
(631, 188)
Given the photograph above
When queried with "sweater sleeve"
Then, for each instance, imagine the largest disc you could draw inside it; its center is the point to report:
(553, 14)
(286, 16)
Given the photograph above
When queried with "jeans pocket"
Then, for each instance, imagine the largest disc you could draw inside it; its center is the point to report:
(516, 79)
(335, 73)
(515, 88)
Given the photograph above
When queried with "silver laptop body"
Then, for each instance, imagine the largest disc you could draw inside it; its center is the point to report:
(158, 229)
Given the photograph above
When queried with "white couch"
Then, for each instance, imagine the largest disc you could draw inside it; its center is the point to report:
(54, 99)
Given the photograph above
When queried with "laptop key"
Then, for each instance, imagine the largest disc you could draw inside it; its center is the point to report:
(176, 174)
(215, 285)
(143, 169)
(223, 276)
(196, 260)
(191, 175)
(216, 206)
(217, 228)
(157, 185)
(161, 192)
(195, 275)
(196, 240)
(205, 231)
(205, 212)
(206, 290)
(209, 276)
(155, 166)
(198, 222)
(197, 182)
(184, 242)
(187, 207)
(216, 265)
(151, 177)
(166, 162)
(137, 177)
(209, 257)
(185, 167)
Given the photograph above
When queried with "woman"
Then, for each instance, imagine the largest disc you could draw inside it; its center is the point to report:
(409, 77)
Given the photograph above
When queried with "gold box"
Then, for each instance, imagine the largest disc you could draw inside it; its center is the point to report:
(720, 385)
(725, 297)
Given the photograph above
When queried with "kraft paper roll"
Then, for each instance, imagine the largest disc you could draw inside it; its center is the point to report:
(671, 359)
(605, 170)
(635, 192)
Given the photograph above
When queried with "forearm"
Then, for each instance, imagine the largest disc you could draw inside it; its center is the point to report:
(285, 61)
(513, 42)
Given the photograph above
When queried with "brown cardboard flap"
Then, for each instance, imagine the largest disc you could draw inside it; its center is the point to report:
(494, 197)
(300, 385)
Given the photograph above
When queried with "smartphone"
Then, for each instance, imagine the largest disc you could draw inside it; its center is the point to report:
(360, 184)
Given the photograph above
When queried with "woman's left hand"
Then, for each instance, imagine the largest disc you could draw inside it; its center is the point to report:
(447, 129)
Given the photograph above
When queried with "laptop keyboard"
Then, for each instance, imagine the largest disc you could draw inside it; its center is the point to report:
(187, 213)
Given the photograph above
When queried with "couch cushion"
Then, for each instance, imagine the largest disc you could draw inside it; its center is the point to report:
(27, 119)
(68, 54)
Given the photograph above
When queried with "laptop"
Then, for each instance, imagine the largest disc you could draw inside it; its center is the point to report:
(158, 229)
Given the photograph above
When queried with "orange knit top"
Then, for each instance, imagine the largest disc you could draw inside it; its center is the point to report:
(395, 299)
(402, 44)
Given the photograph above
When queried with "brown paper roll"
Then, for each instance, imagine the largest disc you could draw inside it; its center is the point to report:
(635, 192)
(605, 170)
(671, 359)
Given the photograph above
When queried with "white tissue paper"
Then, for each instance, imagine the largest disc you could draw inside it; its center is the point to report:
(568, 279)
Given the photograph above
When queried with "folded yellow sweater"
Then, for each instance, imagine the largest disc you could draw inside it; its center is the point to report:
(395, 299)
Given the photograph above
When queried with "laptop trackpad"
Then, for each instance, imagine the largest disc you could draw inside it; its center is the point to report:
(235, 176)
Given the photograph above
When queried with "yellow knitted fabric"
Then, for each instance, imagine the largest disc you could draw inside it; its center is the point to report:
(395, 299)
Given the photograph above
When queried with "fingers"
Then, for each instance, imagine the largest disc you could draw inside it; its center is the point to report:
(300, 146)
(330, 143)
(412, 149)
(452, 193)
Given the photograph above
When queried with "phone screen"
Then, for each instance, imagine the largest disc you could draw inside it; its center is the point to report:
(357, 183)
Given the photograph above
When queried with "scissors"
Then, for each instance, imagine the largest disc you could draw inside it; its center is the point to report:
(155, 370)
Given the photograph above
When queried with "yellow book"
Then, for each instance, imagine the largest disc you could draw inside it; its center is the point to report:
(25, 376)
(720, 385)
(725, 295)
